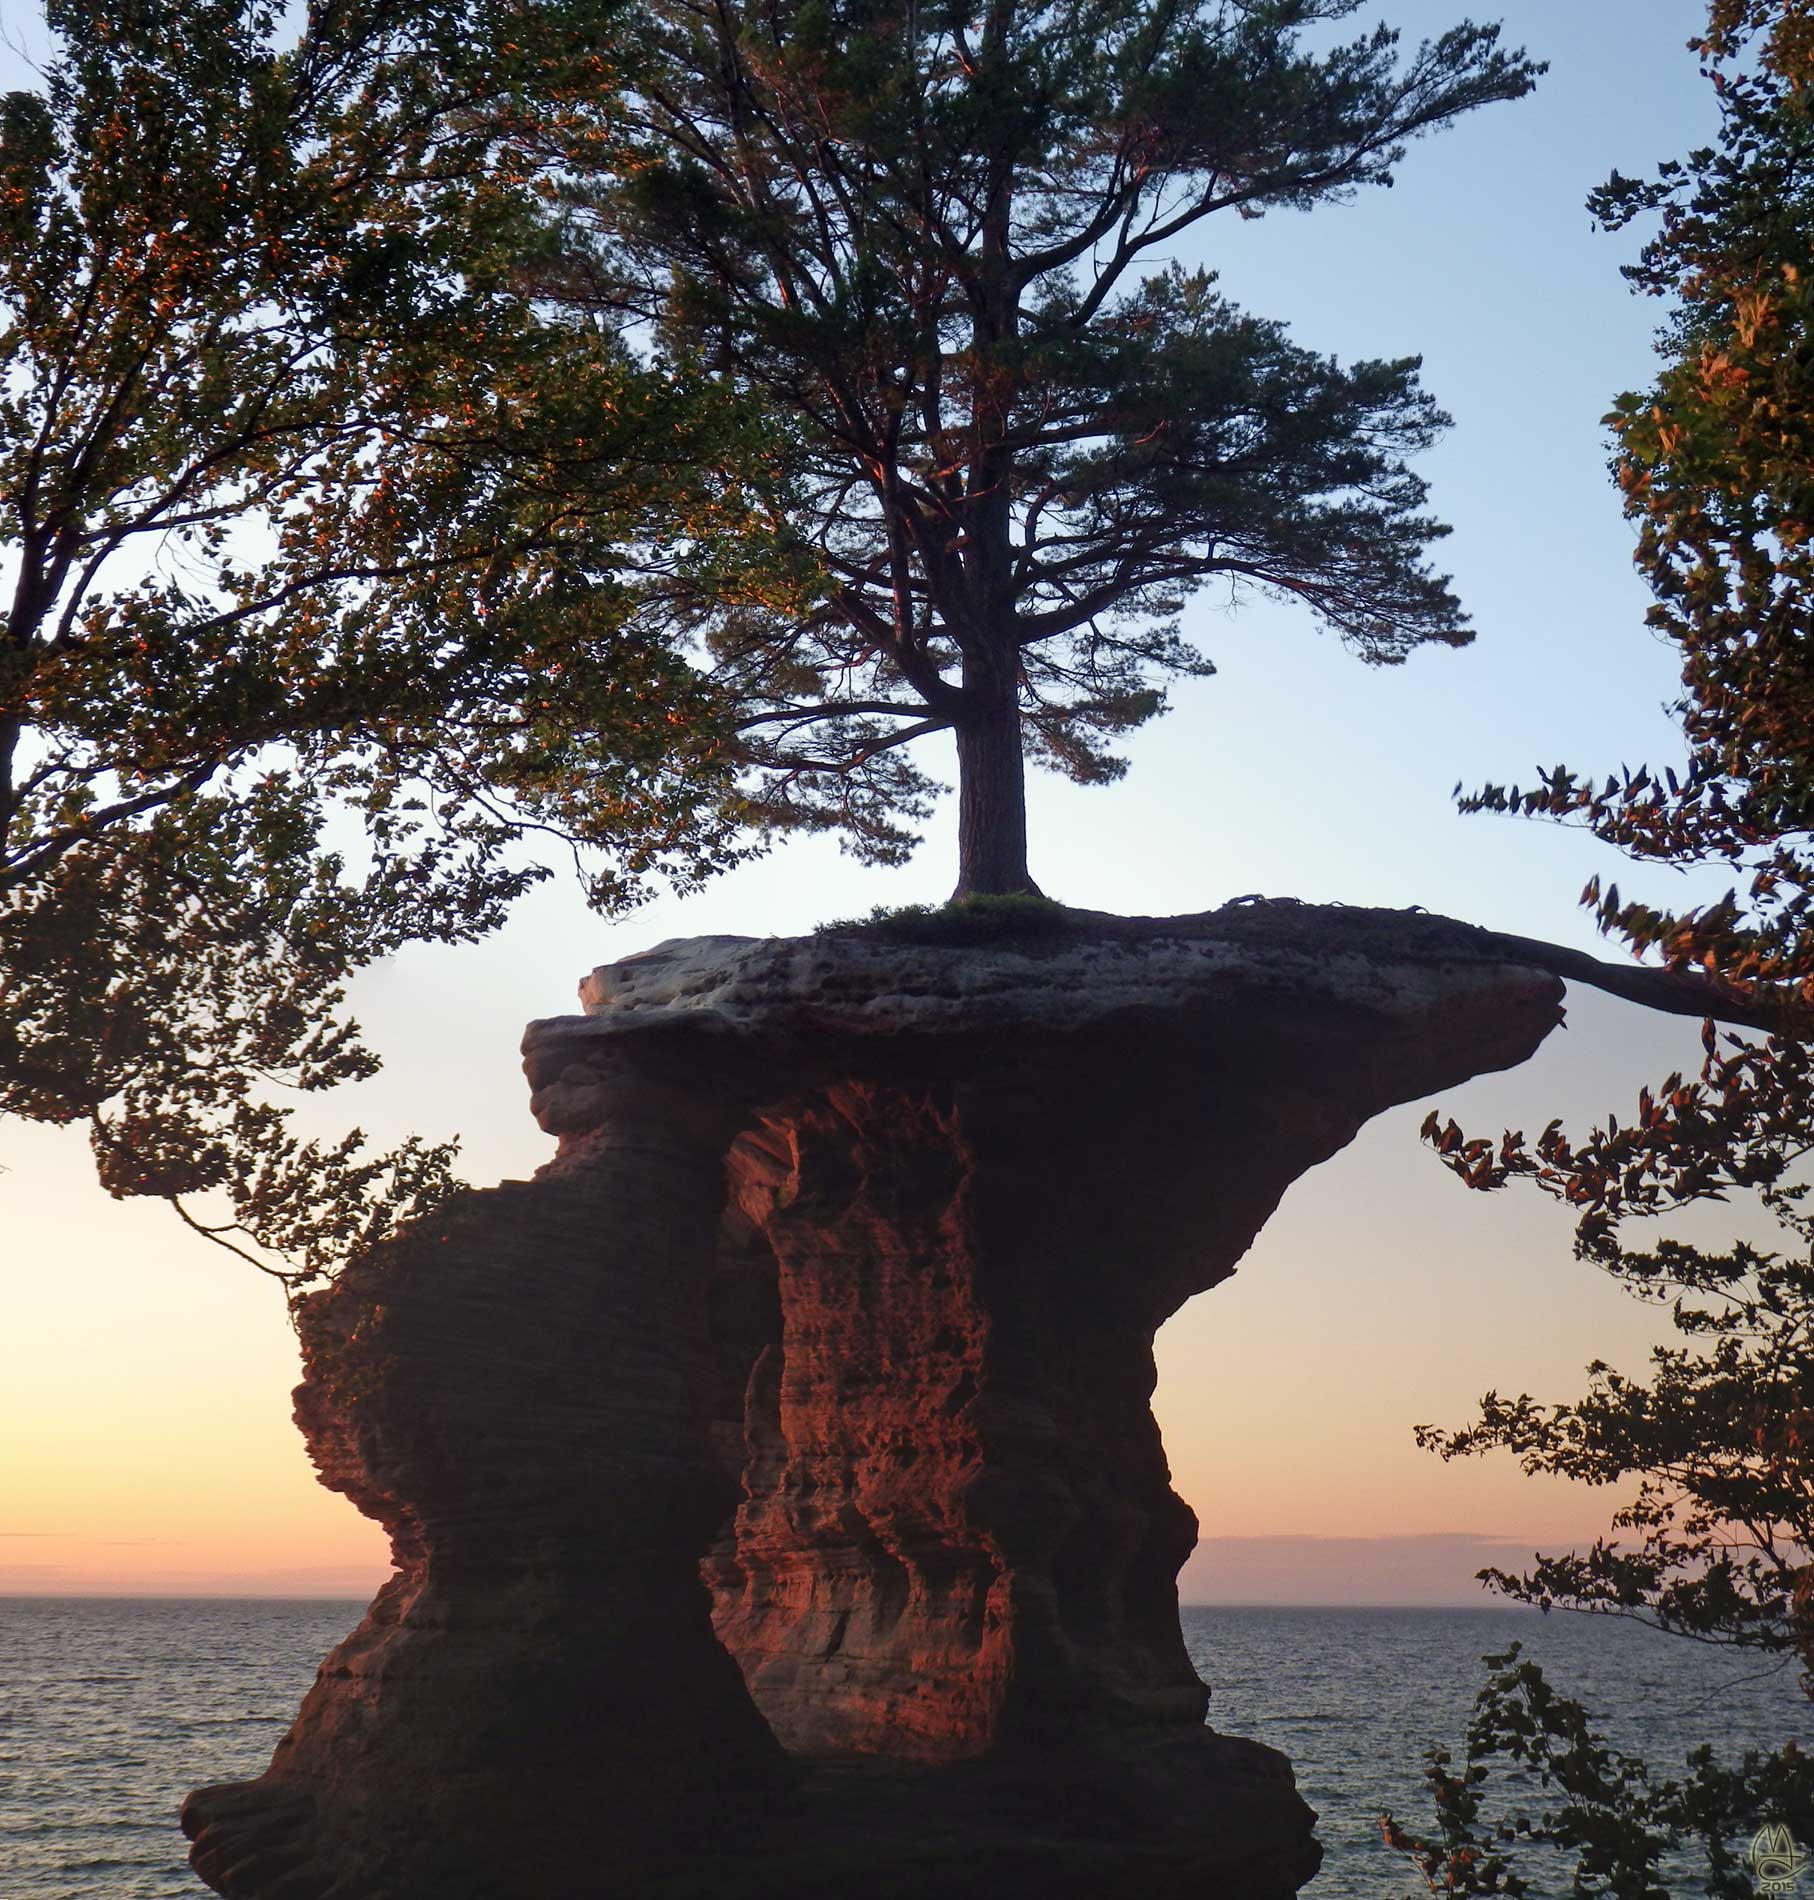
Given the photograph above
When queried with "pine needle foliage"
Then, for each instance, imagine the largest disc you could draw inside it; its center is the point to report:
(938, 243)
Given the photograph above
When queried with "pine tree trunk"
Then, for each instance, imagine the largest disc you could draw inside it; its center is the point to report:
(992, 805)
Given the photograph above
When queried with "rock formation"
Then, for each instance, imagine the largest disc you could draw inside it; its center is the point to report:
(775, 1498)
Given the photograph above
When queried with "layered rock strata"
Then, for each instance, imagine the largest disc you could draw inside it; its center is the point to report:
(773, 1485)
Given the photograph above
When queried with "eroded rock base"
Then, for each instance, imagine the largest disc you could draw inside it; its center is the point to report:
(1211, 1819)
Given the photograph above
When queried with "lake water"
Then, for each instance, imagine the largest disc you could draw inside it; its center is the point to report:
(1354, 1697)
(112, 1709)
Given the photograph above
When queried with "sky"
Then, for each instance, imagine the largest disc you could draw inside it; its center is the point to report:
(145, 1439)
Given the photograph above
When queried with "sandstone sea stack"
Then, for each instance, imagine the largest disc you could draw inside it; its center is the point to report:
(775, 1497)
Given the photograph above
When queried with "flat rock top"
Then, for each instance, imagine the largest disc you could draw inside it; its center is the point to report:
(1072, 969)
(1433, 999)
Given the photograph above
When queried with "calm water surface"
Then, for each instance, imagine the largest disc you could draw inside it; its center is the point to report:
(112, 1709)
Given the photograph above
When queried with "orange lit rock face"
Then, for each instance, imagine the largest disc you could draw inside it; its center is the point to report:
(868, 1608)
(841, 1295)
(957, 1532)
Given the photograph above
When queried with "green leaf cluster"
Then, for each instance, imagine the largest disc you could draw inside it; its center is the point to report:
(1717, 467)
(326, 545)
(1611, 1826)
(1716, 1441)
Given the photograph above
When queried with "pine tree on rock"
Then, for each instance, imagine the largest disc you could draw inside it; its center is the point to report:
(937, 241)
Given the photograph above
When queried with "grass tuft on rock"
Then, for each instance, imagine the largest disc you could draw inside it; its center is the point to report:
(968, 920)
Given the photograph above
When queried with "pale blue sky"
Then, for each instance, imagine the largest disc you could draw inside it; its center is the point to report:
(144, 1380)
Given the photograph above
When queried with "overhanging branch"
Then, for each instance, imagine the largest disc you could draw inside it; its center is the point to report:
(1781, 1012)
